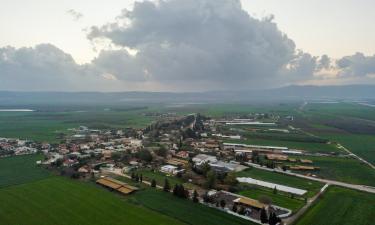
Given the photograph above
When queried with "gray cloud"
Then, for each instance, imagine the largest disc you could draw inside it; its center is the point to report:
(200, 41)
(181, 46)
(76, 15)
(356, 65)
(45, 67)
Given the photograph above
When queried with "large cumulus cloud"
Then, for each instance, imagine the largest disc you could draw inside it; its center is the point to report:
(212, 41)
(180, 45)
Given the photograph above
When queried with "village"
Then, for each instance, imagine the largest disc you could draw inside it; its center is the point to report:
(193, 156)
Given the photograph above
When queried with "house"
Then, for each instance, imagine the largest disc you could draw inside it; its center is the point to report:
(277, 157)
(201, 159)
(170, 169)
(177, 162)
(224, 167)
(183, 154)
(307, 161)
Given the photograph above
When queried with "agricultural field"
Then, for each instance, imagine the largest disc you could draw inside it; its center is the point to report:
(41, 198)
(361, 145)
(312, 187)
(21, 169)
(184, 210)
(62, 201)
(339, 206)
(279, 199)
(343, 169)
(49, 125)
(349, 124)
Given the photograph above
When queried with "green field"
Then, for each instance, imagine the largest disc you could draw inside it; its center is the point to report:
(343, 169)
(184, 210)
(31, 196)
(64, 202)
(311, 186)
(340, 206)
(361, 145)
(159, 177)
(20, 169)
(278, 199)
(45, 126)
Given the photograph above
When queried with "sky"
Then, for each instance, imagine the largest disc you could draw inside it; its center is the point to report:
(120, 45)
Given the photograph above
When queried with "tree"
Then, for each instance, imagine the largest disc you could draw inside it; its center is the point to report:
(141, 178)
(132, 176)
(136, 177)
(166, 187)
(195, 196)
(153, 183)
(263, 216)
(175, 189)
(234, 208)
(162, 151)
(241, 211)
(205, 168)
(211, 179)
(231, 179)
(145, 155)
(206, 198)
(116, 156)
(275, 190)
(273, 219)
(222, 203)
(265, 199)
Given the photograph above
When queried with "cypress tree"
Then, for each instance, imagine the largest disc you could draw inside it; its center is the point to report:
(153, 183)
(166, 187)
(263, 216)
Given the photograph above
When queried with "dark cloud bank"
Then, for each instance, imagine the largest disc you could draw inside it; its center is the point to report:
(181, 45)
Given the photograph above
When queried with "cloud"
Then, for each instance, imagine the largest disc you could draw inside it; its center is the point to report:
(76, 15)
(210, 41)
(174, 45)
(357, 65)
(46, 67)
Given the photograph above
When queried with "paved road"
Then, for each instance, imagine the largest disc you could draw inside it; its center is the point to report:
(364, 188)
(355, 156)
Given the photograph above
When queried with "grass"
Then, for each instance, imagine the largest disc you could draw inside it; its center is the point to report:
(340, 206)
(311, 186)
(343, 169)
(159, 177)
(61, 201)
(361, 145)
(20, 169)
(277, 199)
(185, 210)
(45, 126)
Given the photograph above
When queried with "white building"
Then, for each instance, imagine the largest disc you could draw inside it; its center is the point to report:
(170, 169)
(203, 158)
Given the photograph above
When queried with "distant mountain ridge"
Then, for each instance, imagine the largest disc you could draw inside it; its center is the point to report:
(289, 93)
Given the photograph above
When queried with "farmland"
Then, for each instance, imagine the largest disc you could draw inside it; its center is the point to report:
(47, 126)
(341, 206)
(311, 186)
(36, 197)
(184, 210)
(21, 169)
(62, 201)
(343, 169)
